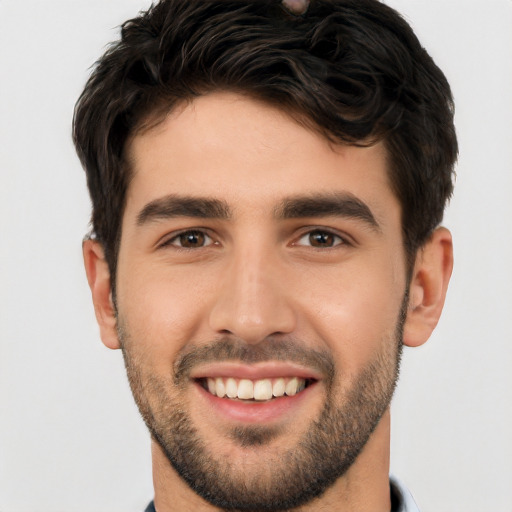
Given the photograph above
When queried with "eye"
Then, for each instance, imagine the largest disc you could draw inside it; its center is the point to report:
(320, 239)
(192, 239)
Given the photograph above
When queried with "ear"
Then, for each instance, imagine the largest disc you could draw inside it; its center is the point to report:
(98, 276)
(429, 283)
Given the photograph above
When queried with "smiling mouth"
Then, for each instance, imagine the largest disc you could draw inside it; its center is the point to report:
(254, 390)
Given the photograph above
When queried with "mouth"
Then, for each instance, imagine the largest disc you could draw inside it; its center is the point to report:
(258, 390)
(270, 392)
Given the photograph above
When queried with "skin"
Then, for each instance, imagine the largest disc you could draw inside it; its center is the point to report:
(257, 277)
(296, 6)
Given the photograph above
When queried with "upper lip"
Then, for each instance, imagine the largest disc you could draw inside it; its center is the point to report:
(267, 370)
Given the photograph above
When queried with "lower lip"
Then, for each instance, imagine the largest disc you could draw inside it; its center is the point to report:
(255, 412)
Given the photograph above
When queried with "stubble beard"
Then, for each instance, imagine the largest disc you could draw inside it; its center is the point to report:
(291, 478)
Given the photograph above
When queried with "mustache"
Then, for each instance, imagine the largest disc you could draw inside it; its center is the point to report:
(236, 350)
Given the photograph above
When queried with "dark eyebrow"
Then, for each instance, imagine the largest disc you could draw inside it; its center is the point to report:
(327, 205)
(182, 206)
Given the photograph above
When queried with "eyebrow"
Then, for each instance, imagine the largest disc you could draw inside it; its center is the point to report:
(318, 205)
(327, 205)
(172, 206)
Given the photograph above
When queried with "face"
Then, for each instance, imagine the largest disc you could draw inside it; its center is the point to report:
(261, 293)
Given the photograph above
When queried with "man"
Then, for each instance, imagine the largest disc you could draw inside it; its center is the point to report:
(267, 183)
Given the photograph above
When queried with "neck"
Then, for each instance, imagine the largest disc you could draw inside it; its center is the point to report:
(363, 488)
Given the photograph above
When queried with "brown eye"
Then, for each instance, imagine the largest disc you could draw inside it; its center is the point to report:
(320, 239)
(191, 240)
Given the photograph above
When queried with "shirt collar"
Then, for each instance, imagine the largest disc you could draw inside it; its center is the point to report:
(401, 498)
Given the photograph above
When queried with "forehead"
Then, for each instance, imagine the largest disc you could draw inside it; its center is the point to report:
(251, 154)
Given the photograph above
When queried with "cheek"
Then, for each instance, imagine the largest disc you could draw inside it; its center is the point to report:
(356, 314)
(162, 312)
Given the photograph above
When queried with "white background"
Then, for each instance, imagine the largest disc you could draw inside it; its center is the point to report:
(70, 437)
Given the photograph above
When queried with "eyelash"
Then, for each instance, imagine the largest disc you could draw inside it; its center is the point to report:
(337, 239)
(188, 232)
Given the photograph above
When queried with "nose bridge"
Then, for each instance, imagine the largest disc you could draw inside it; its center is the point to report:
(252, 303)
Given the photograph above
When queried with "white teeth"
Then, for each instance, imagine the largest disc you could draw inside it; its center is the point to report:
(262, 389)
(245, 389)
(220, 389)
(231, 388)
(291, 387)
(278, 387)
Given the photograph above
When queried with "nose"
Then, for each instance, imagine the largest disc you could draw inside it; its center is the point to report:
(252, 301)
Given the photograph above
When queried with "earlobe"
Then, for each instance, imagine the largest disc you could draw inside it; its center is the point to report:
(98, 277)
(429, 283)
